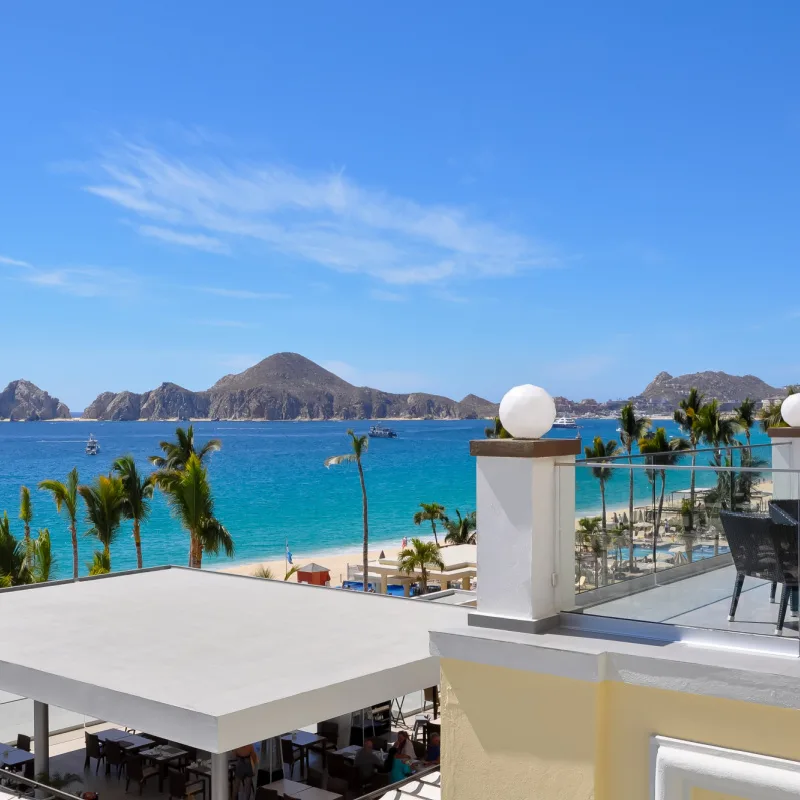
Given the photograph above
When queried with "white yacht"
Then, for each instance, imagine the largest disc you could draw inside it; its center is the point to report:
(380, 432)
(92, 446)
(565, 422)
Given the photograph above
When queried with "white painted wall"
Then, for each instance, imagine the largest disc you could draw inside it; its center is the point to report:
(787, 456)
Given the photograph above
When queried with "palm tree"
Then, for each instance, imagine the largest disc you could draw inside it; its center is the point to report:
(433, 513)
(746, 417)
(685, 415)
(66, 497)
(177, 453)
(359, 445)
(43, 562)
(13, 557)
(661, 452)
(716, 431)
(138, 492)
(100, 563)
(26, 510)
(188, 493)
(631, 429)
(588, 534)
(496, 430)
(770, 415)
(462, 529)
(420, 556)
(105, 504)
(602, 451)
(266, 572)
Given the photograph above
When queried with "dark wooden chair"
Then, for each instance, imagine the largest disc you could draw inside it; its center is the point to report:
(115, 757)
(337, 786)
(337, 766)
(330, 730)
(264, 776)
(314, 778)
(136, 771)
(23, 742)
(291, 754)
(181, 788)
(379, 781)
(93, 750)
(419, 749)
(762, 549)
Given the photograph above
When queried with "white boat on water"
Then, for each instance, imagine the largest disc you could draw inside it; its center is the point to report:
(565, 422)
(380, 432)
(92, 446)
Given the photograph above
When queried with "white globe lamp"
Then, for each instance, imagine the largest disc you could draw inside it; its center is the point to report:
(527, 411)
(790, 410)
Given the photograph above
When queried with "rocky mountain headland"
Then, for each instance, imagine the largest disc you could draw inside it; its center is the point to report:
(288, 386)
(24, 401)
(285, 386)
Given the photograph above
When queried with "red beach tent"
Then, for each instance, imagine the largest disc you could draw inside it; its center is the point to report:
(313, 573)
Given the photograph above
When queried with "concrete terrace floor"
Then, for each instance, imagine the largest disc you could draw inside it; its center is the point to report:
(703, 601)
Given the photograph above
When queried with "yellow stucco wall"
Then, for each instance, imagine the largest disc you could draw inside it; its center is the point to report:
(528, 735)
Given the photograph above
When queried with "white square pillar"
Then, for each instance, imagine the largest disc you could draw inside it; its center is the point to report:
(785, 455)
(525, 516)
(41, 741)
(219, 776)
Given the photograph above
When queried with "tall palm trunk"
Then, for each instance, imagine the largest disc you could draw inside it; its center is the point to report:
(423, 581)
(137, 540)
(692, 487)
(364, 553)
(604, 573)
(435, 537)
(631, 560)
(73, 529)
(658, 514)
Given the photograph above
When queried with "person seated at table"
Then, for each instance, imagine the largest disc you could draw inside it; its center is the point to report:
(432, 754)
(367, 761)
(396, 767)
(405, 750)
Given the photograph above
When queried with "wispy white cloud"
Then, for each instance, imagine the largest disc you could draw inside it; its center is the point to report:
(81, 281)
(78, 281)
(13, 262)
(386, 296)
(229, 323)
(243, 294)
(325, 219)
(199, 241)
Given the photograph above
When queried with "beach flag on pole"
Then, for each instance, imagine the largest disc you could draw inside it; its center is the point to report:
(288, 553)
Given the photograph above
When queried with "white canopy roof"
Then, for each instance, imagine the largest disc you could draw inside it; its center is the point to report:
(210, 659)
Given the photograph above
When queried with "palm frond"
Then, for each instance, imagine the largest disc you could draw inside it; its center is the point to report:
(347, 458)
(263, 571)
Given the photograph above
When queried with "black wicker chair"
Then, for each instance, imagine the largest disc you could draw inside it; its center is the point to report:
(762, 549)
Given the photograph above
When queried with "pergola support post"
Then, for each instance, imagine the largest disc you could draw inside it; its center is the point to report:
(41, 741)
(219, 776)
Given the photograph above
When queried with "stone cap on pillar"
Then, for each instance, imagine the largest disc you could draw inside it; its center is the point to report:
(527, 448)
(783, 433)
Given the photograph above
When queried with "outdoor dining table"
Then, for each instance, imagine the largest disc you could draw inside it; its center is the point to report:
(14, 757)
(312, 793)
(303, 740)
(286, 786)
(349, 751)
(135, 742)
(162, 755)
(112, 735)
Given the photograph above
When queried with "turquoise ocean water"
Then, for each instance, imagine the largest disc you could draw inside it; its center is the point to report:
(270, 483)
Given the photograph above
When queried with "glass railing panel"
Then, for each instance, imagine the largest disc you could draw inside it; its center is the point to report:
(678, 529)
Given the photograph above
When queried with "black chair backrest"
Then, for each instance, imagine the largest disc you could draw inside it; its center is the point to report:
(265, 776)
(177, 783)
(133, 763)
(23, 742)
(113, 753)
(419, 749)
(337, 785)
(785, 512)
(379, 780)
(337, 766)
(750, 542)
(330, 730)
(92, 745)
(263, 793)
(288, 751)
(314, 778)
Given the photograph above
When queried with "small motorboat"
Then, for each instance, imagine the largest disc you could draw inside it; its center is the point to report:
(92, 446)
(380, 432)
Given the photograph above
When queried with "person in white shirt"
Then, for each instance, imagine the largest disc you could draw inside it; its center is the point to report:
(405, 749)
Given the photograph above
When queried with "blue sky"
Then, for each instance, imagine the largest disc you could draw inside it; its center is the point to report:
(452, 197)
